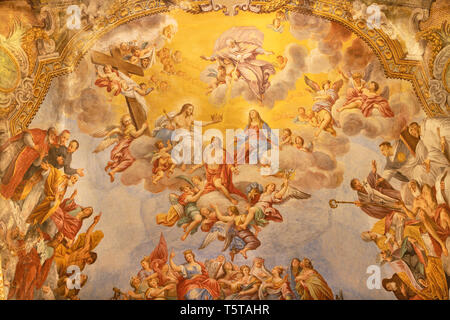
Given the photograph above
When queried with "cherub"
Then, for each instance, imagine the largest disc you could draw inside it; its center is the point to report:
(139, 53)
(110, 78)
(220, 77)
(281, 62)
(305, 117)
(299, 143)
(177, 57)
(325, 97)
(286, 137)
(162, 161)
(276, 25)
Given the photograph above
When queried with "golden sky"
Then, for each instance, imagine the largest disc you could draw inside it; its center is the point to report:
(196, 36)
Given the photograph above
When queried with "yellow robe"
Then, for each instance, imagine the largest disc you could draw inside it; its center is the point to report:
(168, 219)
(434, 271)
(48, 206)
(62, 253)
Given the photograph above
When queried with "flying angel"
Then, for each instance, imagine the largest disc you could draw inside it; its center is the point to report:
(262, 210)
(221, 231)
(121, 136)
(325, 97)
(363, 94)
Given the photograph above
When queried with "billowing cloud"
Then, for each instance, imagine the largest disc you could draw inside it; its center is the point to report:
(280, 83)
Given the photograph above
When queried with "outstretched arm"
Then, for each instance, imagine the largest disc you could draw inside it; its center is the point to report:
(172, 264)
(282, 192)
(87, 242)
(197, 196)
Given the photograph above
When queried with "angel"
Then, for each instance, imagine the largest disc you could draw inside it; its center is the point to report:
(119, 83)
(286, 137)
(162, 161)
(220, 77)
(261, 210)
(141, 52)
(110, 78)
(357, 81)
(299, 143)
(281, 62)
(184, 209)
(370, 99)
(305, 117)
(276, 25)
(324, 101)
(122, 136)
(241, 46)
(229, 229)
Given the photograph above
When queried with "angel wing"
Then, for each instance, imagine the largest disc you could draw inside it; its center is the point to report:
(294, 193)
(337, 85)
(111, 135)
(105, 144)
(103, 132)
(219, 229)
(368, 72)
(187, 179)
(312, 84)
(385, 93)
(155, 156)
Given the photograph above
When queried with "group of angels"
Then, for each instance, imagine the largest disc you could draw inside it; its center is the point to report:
(362, 94)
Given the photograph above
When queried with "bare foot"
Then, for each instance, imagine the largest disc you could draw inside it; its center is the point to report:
(244, 254)
(112, 176)
(232, 254)
(316, 134)
(183, 167)
(184, 226)
(234, 201)
(184, 237)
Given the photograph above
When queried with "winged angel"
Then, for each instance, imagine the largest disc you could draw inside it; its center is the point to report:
(364, 94)
(325, 97)
(233, 228)
(121, 136)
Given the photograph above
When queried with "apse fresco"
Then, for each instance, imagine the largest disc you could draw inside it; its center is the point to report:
(224, 150)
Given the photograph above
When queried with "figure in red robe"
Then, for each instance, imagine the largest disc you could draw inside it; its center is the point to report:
(30, 274)
(219, 173)
(36, 143)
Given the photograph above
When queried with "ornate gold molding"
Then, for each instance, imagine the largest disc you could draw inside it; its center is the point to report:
(388, 51)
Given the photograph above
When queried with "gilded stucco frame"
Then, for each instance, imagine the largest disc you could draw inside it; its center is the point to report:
(389, 52)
